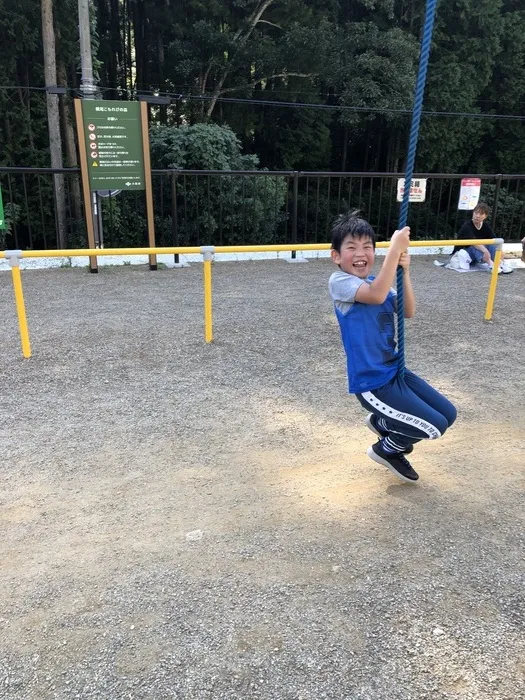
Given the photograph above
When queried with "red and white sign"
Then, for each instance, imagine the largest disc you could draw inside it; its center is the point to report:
(418, 190)
(469, 193)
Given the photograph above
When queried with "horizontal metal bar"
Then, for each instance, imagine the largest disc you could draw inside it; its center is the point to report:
(377, 174)
(327, 246)
(282, 173)
(321, 174)
(104, 252)
(437, 176)
(39, 171)
(77, 253)
(260, 173)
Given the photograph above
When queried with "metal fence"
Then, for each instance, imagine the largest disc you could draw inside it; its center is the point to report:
(195, 207)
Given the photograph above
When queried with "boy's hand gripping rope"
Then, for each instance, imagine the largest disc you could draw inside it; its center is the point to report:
(411, 157)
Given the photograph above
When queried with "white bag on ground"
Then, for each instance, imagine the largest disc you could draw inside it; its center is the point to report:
(460, 261)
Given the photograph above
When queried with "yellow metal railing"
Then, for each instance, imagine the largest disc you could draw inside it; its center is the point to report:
(207, 252)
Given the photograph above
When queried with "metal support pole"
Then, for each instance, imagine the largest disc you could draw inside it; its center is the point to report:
(494, 278)
(174, 216)
(495, 203)
(13, 257)
(177, 262)
(88, 91)
(295, 203)
(207, 254)
(97, 218)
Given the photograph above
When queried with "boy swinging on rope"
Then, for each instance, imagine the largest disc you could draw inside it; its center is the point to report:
(404, 410)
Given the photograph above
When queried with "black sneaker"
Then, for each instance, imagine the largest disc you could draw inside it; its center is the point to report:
(396, 462)
(371, 421)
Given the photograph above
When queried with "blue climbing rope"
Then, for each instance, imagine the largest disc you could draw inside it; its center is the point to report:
(426, 41)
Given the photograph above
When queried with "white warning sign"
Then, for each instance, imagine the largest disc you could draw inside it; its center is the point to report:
(418, 190)
(469, 193)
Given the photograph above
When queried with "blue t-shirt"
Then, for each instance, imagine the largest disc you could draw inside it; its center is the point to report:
(368, 333)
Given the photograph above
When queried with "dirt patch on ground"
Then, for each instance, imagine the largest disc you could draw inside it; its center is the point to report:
(188, 521)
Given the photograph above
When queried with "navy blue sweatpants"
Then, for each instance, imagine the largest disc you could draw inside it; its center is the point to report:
(410, 408)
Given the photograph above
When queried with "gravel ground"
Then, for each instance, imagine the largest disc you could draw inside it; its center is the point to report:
(201, 522)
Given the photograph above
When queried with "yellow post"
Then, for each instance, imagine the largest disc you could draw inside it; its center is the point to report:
(493, 283)
(14, 261)
(207, 253)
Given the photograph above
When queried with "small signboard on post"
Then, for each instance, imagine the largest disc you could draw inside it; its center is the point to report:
(2, 219)
(469, 193)
(418, 190)
(114, 155)
(113, 137)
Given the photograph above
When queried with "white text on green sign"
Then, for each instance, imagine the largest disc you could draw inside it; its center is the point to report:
(113, 136)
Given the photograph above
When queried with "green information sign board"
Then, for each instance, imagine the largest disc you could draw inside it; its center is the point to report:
(2, 220)
(113, 135)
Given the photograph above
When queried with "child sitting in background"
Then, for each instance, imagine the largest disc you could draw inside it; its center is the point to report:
(463, 257)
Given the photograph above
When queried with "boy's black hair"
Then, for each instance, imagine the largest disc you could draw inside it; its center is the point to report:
(351, 224)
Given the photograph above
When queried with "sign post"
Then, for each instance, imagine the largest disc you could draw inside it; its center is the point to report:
(469, 193)
(113, 142)
(113, 138)
(418, 189)
(86, 192)
(147, 179)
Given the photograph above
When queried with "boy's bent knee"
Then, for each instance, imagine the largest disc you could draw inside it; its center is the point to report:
(450, 413)
(442, 422)
(440, 428)
(448, 418)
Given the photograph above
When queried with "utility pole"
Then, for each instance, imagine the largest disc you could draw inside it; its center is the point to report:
(88, 91)
(53, 119)
(87, 86)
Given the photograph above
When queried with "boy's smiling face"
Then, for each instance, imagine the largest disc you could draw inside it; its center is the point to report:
(356, 256)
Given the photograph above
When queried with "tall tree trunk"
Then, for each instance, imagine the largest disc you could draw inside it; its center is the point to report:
(27, 108)
(388, 166)
(163, 112)
(53, 119)
(116, 46)
(139, 30)
(130, 51)
(378, 144)
(367, 147)
(31, 139)
(396, 164)
(70, 145)
(345, 149)
(127, 60)
(110, 45)
(124, 61)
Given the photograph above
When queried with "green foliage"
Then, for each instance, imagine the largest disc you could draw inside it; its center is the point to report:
(23, 127)
(11, 218)
(210, 209)
(124, 220)
(510, 210)
(379, 68)
(198, 147)
(299, 139)
(320, 51)
(466, 44)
